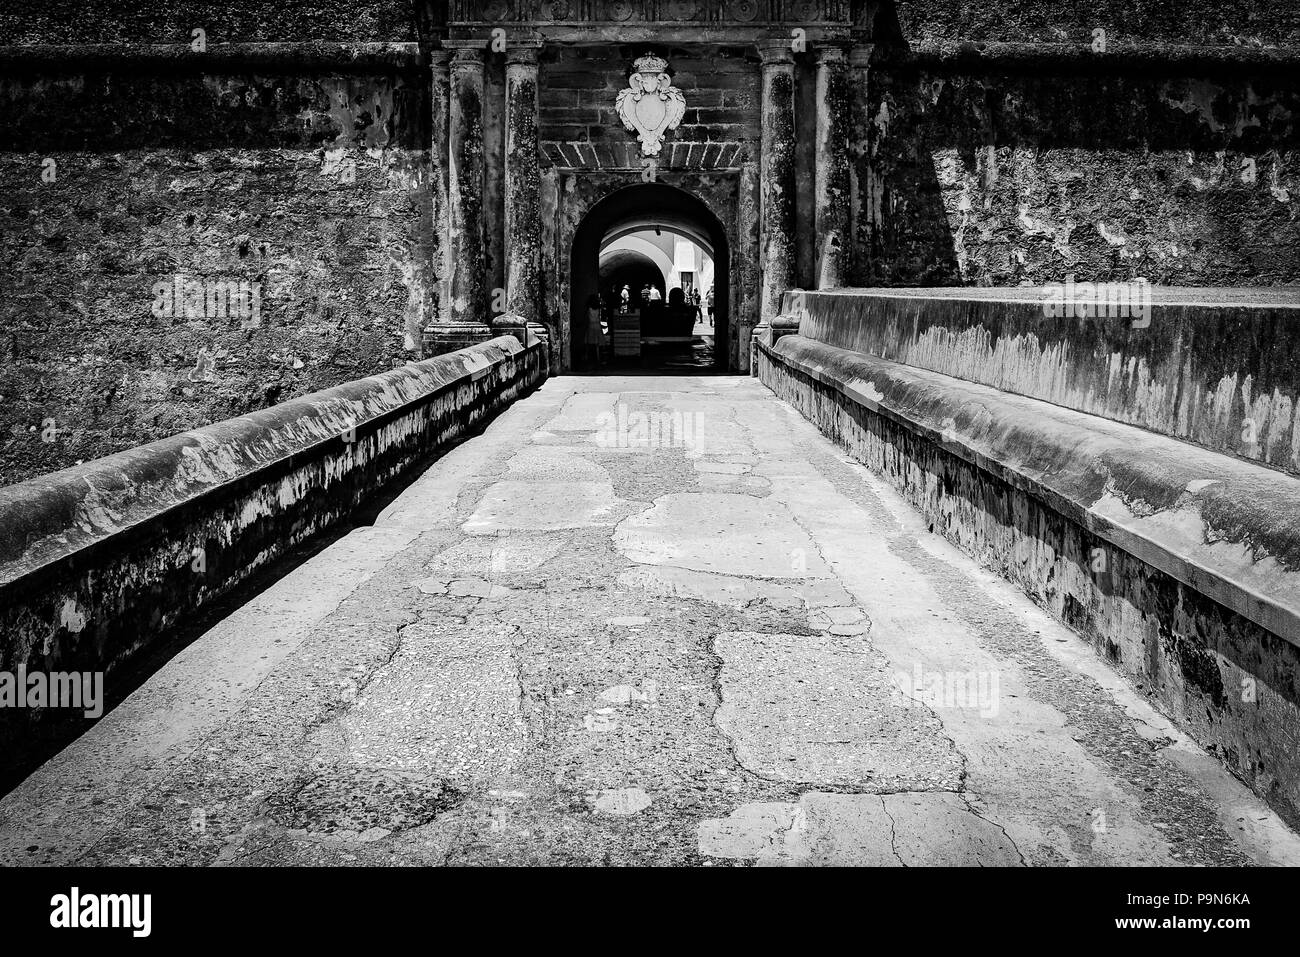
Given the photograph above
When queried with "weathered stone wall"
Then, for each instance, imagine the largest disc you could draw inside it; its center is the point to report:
(313, 188)
(997, 178)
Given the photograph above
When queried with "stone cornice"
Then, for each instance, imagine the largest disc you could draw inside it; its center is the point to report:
(830, 52)
(292, 57)
(657, 33)
(464, 43)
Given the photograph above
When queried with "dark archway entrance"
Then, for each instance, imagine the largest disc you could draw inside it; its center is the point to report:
(647, 205)
(634, 270)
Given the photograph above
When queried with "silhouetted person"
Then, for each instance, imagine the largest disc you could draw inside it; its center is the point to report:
(681, 317)
(595, 330)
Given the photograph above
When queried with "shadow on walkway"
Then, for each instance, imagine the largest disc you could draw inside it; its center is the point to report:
(696, 357)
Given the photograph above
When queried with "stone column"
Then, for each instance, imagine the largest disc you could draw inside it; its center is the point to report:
(776, 178)
(862, 185)
(439, 125)
(832, 190)
(523, 217)
(466, 321)
(746, 277)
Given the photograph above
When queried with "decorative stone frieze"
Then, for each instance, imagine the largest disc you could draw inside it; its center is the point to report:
(742, 12)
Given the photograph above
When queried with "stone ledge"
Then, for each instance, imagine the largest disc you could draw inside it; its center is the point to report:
(99, 559)
(1228, 528)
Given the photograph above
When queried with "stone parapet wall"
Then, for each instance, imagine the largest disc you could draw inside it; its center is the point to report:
(1210, 366)
(99, 560)
(1179, 565)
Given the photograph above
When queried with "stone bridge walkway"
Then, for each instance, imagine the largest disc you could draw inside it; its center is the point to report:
(641, 620)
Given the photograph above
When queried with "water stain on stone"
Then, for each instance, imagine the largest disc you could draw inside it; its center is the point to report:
(359, 800)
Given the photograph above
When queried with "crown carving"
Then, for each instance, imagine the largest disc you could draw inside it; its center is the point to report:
(650, 64)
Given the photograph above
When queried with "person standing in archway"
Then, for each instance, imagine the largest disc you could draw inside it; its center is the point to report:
(708, 302)
(595, 331)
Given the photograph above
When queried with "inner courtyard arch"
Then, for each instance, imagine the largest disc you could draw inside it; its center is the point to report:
(626, 211)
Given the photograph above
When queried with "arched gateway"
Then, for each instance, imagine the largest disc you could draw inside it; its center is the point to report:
(654, 206)
(555, 124)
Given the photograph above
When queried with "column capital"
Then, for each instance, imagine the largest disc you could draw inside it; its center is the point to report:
(830, 53)
(439, 58)
(775, 51)
(860, 55)
(523, 53)
(464, 54)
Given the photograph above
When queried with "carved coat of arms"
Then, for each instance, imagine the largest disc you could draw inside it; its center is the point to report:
(651, 105)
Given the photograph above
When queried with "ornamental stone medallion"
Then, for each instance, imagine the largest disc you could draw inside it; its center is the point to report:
(651, 105)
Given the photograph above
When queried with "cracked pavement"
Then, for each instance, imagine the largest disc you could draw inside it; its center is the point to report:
(641, 620)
